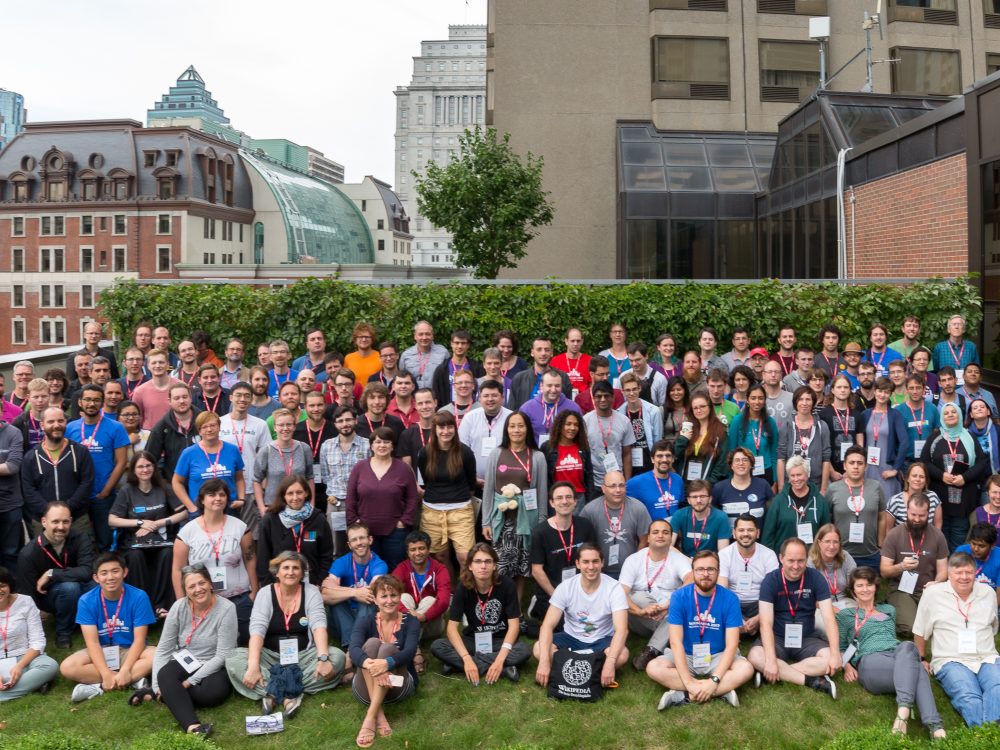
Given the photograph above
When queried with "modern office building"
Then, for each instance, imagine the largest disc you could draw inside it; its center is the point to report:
(387, 220)
(659, 121)
(303, 158)
(445, 96)
(13, 115)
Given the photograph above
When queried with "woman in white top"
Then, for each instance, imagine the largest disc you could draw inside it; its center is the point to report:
(828, 556)
(226, 548)
(24, 667)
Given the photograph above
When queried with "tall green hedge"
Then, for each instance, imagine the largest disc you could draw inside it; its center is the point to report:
(261, 314)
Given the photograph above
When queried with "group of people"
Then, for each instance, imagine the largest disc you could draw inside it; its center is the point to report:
(260, 512)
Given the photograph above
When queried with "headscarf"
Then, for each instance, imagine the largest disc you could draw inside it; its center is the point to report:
(958, 432)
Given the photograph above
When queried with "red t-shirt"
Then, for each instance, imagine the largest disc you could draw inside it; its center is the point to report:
(569, 467)
(578, 370)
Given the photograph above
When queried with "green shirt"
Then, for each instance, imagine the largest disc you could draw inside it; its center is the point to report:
(726, 412)
(899, 346)
(877, 634)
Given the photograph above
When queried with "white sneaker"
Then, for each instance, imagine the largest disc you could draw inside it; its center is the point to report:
(139, 684)
(671, 698)
(731, 698)
(84, 692)
(757, 679)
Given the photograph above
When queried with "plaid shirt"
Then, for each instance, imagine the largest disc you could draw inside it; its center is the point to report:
(335, 464)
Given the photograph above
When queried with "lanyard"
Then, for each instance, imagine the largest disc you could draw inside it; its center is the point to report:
(549, 415)
(288, 466)
(6, 627)
(130, 391)
(279, 383)
(920, 422)
(831, 367)
(216, 543)
(298, 537)
(659, 489)
(453, 368)
(419, 590)
(319, 437)
(856, 503)
(215, 404)
(877, 424)
(615, 524)
(694, 528)
(523, 465)
(110, 623)
(371, 428)
(604, 437)
(845, 423)
(364, 573)
(52, 458)
(832, 582)
(568, 549)
(952, 449)
(858, 626)
(420, 432)
(803, 442)
(481, 605)
(392, 633)
(957, 357)
(241, 437)
(93, 435)
(791, 364)
(876, 362)
(703, 621)
(195, 624)
(422, 362)
(212, 464)
(989, 519)
(756, 435)
(187, 381)
(800, 513)
(285, 614)
(651, 581)
(798, 601)
(958, 606)
(48, 554)
(572, 365)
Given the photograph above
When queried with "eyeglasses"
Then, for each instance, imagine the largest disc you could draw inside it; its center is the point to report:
(128, 415)
(702, 571)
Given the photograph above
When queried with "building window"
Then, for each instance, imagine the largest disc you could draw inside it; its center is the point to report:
(52, 332)
(17, 295)
(17, 226)
(789, 71)
(45, 226)
(163, 259)
(86, 259)
(103, 223)
(51, 260)
(121, 256)
(90, 190)
(17, 331)
(59, 225)
(149, 158)
(209, 228)
(690, 68)
(173, 157)
(923, 11)
(992, 63)
(227, 259)
(55, 190)
(52, 295)
(241, 232)
(793, 7)
(381, 224)
(103, 259)
(120, 224)
(208, 259)
(86, 225)
(163, 224)
(926, 71)
(17, 260)
(381, 244)
(87, 295)
(165, 188)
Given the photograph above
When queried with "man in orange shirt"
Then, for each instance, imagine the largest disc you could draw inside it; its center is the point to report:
(364, 362)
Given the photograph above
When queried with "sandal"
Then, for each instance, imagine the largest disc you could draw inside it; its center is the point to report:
(418, 662)
(384, 730)
(140, 696)
(366, 737)
(899, 723)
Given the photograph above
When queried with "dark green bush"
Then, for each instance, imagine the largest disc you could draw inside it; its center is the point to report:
(261, 314)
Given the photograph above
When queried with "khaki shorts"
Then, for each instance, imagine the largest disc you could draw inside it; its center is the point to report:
(456, 526)
(700, 669)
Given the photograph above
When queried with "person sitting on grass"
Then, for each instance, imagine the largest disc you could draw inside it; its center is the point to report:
(704, 660)
(115, 620)
(383, 643)
(489, 645)
(347, 589)
(25, 667)
(426, 588)
(596, 618)
(786, 649)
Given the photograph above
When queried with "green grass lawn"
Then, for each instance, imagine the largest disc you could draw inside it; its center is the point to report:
(448, 713)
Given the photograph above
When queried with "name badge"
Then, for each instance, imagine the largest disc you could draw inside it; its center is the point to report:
(396, 680)
(218, 575)
(530, 499)
(6, 665)
(918, 448)
(576, 392)
(139, 509)
(610, 462)
(111, 657)
(849, 652)
(616, 383)
(804, 531)
(856, 533)
(967, 641)
(843, 450)
(744, 581)
(484, 643)
(288, 651)
(316, 471)
(960, 376)
(874, 455)
(793, 635)
(568, 573)
(758, 466)
(637, 457)
(338, 520)
(701, 654)
(613, 552)
(908, 581)
(543, 439)
(187, 660)
(489, 443)
(693, 470)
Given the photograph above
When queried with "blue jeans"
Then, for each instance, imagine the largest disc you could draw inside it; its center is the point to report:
(99, 511)
(955, 529)
(975, 696)
(391, 547)
(61, 599)
(345, 616)
(869, 562)
(10, 538)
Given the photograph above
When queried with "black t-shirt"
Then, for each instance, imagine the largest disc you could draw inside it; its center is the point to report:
(366, 427)
(814, 589)
(315, 442)
(486, 613)
(837, 420)
(548, 547)
(411, 441)
(133, 503)
(298, 624)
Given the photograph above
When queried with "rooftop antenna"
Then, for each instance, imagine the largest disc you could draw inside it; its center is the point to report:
(874, 19)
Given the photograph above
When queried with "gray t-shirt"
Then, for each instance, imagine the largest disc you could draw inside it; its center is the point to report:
(607, 435)
(631, 521)
(780, 407)
(274, 464)
(868, 505)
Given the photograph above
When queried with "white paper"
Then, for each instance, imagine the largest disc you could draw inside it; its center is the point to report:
(613, 553)
(874, 455)
(693, 470)
(616, 384)
(758, 466)
(967, 641)
(484, 643)
(804, 531)
(5, 666)
(489, 443)
(268, 724)
(793, 635)
(849, 652)
(396, 680)
(288, 651)
(219, 578)
(530, 498)
(960, 377)
(918, 448)
(908, 581)
(610, 462)
(637, 457)
(856, 533)
(111, 657)
(187, 660)
(701, 654)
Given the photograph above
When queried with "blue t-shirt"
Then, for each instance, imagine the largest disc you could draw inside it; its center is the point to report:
(101, 440)
(199, 466)
(304, 363)
(696, 536)
(274, 381)
(135, 612)
(814, 589)
(351, 573)
(733, 502)
(987, 572)
(724, 613)
(661, 500)
(919, 426)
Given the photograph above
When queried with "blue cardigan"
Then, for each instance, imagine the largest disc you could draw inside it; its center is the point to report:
(407, 639)
(897, 443)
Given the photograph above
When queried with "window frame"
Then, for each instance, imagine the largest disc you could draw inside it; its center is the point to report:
(675, 89)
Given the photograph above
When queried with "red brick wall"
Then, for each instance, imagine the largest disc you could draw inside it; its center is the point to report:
(910, 224)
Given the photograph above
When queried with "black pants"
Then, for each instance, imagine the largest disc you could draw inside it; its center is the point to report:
(211, 691)
(150, 570)
(443, 650)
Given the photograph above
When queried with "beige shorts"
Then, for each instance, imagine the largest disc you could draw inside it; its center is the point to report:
(455, 526)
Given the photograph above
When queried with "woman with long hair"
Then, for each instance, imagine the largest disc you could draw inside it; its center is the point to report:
(23, 642)
(756, 431)
(567, 454)
(293, 524)
(915, 480)
(804, 435)
(510, 363)
(840, 413)
(676, 408)
(701, 451)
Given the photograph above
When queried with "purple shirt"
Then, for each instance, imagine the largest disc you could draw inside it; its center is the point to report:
(381, 503)
(10, 411)
(543, 416)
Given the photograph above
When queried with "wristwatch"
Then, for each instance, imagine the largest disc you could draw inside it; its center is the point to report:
(715, 678)
(139, 522)
(323, 657)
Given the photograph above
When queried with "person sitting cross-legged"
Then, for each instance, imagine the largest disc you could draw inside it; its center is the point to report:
(704, 660)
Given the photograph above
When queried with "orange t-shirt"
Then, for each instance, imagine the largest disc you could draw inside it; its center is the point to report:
(363, 367)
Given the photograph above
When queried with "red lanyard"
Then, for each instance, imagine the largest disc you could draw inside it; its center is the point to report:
(791, 365)
(298, 537)
(800, 513)
(952, 449)
(319, 438)
(422, 362)
(364, 573)
(285, 614)
(703, 621)
(958, 606)
(130, 391)
(240, 437)
(803, 442)
(919, 549)
(195, 624)
(212, 464)
(989, 519)
(615, 524)
(547, 415)
(481, 605)
(756, 435)
(877, 424)
(187, 381)
(88, 442)
(51, 458)
(48, 554)
(798, 601)
(957, 357)
(523, 465)
(109, 622)
(392, 633)
(371, 427)
(419, 590)
(651, 581)
(215, 404)
(288, 376)
(878, 362)
(423, 440)
(845, 423)
(289, 466)
(601, 429)
(832, 582)
(568, 549)
(694, 528)
(831, 366)
(920, 422)
(857, 626)
(856, 503)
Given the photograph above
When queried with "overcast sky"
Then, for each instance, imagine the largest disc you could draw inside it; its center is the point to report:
(318, 72)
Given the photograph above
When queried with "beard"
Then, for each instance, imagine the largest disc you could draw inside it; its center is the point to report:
(916, 527)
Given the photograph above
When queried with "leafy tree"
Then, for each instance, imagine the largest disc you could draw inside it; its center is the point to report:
(488, 199)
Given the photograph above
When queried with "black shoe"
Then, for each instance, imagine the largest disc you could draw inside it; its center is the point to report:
(644, 657)
(529, 629)
(64, 641)
(823, 685)
(447, 668)
(46, 687)
(511, 673)
(202, 730)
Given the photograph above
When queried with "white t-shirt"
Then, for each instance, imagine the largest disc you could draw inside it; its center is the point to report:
(638, 570)
(733, 568)
(249, 435)
(588, 617)
(202, 549)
